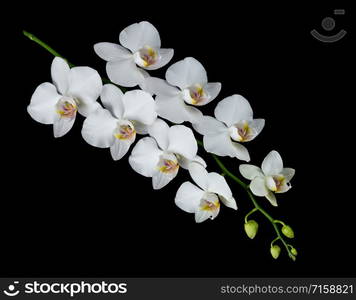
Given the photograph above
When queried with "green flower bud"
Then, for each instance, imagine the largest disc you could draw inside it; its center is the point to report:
(251, 228)
(294, 251)
(288, 231)
(292, 257)
(275, 251)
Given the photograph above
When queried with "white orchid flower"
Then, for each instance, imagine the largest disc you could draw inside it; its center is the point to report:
(273, 178)
(116, 126)
(186, 85)
(141, 49)
(161, 155)
(74, 90)
(203, 200)
(234, 123)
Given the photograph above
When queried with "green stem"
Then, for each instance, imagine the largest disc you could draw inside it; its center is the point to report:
(275, 240)
(268, 216)
(280, 222)
(55, 53)
(45, 46)
(228, 173)
(255, 203)
(250, 213)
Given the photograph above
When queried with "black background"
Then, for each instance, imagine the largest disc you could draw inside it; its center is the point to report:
(67, 209)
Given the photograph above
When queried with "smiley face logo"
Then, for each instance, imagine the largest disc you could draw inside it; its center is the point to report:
(328, 24)
(12, 290)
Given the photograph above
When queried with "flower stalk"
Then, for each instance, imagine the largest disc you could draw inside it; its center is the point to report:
(255, 203)
(250, 213)
(258, 207)
(280, 234)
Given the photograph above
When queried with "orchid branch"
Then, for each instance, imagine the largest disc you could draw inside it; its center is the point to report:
(281, 233)
(255, 203)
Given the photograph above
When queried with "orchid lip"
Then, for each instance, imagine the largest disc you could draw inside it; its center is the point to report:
(209, 202)
(241, 132)
(195, 95)
(125, 131)
(67, 107)
(169, 166)
(146, 56)
(276, 183)
(168, 163)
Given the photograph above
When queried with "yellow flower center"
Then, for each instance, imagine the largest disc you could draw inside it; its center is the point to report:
(148, 55)
(209, 205)
(125, 132)
(169, 166)
(67, 108)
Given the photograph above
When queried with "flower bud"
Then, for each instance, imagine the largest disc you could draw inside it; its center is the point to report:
(294, 251)
(251, 228)
(275, 251)
(288, 231)
(292, 257)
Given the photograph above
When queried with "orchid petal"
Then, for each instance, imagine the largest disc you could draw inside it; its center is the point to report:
(171, 108)
(240, 152)
(203, 215)
(209, 125)
(160, 179)
(188, 197)
(124, 72)
(221, 144)
(270, 183)
(186, 73)
(160, 130)
(181, 140)
(98, 129)
(85, 86)
(60, 74)
(111, 97)
(120, 148)
(111, 51)
(258, 187)
(218, 185)
(157, 86)
(166, 170)
(199, 174)
(256, 127)
(288, 173)
(212, 89)
(284, 187)
(42, 107)
(139, 106)
(233, 109)
(272, 198)
(145, 156)
(62, 125)
(250, 171)
(165, 57)
(185, 162)
(272, 164)
(138, 35)
(141, 128)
